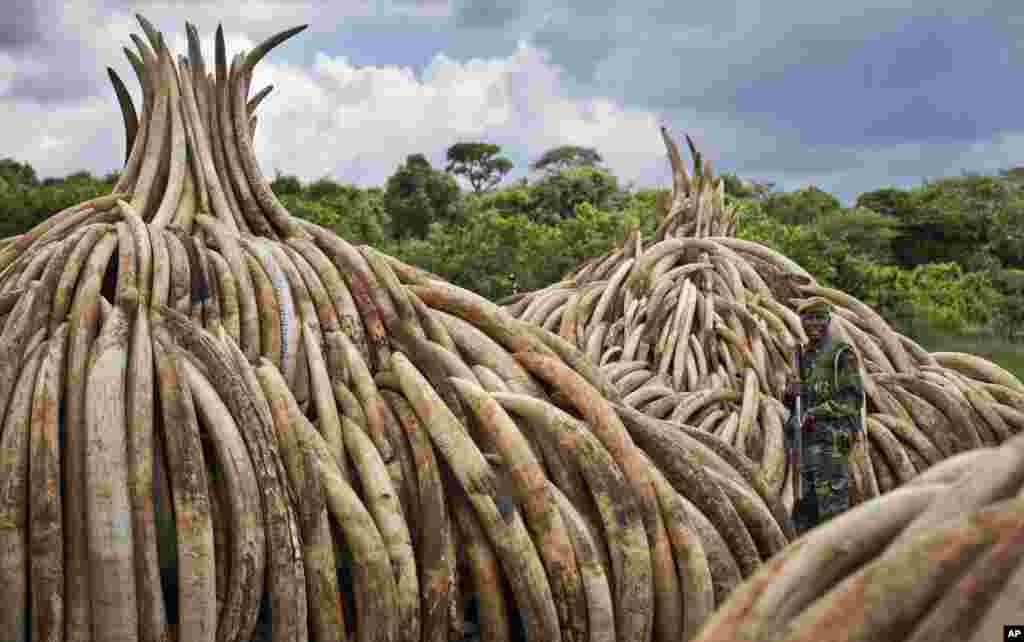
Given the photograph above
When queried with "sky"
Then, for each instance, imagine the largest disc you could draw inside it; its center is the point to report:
(849, 96)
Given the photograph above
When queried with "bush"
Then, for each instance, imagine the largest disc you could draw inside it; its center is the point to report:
(556, 196)
(496, 254)
(934, 299)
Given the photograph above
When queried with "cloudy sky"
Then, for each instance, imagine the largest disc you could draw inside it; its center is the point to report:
(849, 96)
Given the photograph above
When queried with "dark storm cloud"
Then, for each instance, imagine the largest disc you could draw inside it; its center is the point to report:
(584, 33)
(889, 75)
(581, 51)
(67, 61)
(55, 60)
(60, 87)
(20, 25)
(848, 96)
(932, 79)
(484, 14)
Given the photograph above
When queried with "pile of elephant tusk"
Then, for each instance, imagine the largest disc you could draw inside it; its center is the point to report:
(699, 327)
(940, 558)
(214, 414)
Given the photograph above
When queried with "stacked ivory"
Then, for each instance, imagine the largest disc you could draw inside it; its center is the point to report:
(193, 380)
(940, 558)
(698, 326)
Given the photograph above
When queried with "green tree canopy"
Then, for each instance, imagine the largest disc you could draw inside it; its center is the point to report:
(745, 188)
(557, 194)
(888, 200)
(324, 188)
(800, 207)
(26, 201)
(286, 184)
(565, 156)
(865, 231)
(479, 163)
(974, 220)
(17, 174)
(418, 195)
(1013, 174)
(352, 213)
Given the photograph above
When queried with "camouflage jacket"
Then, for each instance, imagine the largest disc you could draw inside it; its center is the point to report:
(832, 383)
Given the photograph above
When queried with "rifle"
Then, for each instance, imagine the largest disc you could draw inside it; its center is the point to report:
(798, 436)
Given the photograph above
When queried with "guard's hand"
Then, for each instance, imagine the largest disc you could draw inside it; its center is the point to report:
(789, 431)
(808, 423)
(843, 443)
(792, 390)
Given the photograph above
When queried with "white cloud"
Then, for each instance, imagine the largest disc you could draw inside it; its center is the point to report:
(356, 123)
(359, 123)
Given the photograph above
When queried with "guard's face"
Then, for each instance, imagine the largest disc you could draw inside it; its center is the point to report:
(815, 324)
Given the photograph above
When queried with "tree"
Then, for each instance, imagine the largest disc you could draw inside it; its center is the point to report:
(357, 215)
(1013, 174)
(418, 195)
(80, 177)
(888, 201)
(567, 156)
(973, 220)
(495, 253)
(865, 231)
(745, 188)
(27, 202)
(479, 163)
(324, 188)
(285, 184)
(800, 207)
(18, 174)
(511, 199)
(556, 195)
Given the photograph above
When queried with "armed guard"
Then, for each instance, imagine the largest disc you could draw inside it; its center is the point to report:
(825, 418)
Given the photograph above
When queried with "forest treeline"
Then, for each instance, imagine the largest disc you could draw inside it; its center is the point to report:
(942, 261)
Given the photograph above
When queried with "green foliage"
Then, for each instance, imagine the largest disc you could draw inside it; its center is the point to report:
(1010, 281)
(324, 189)
(17, 174)
(640, 208)
(350, 212)
(1010, 314)
(737, 187)
(479, 163)
(516, 199)
(851, 250)
(25, 201)
(592, 231)
(490, 253)
(888, 200)
(418, 195)
(943, 261)
(496, 253)
(933, 298)
(801, 207)
(566, 156)
(556, 195)
(975, 220)
(803, 244)
(868, 232)
(286, 184)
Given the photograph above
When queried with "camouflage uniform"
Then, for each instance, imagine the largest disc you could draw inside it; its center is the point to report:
(832, 393)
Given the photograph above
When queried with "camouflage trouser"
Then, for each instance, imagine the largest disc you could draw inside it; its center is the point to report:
(825, 474)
